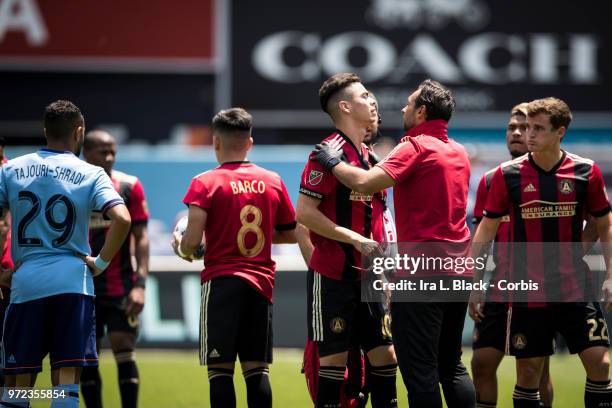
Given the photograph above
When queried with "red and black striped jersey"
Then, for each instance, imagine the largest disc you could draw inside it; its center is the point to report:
(244, 204)
(343, 206)
(119, 277)
(547, 207)
(500, 249)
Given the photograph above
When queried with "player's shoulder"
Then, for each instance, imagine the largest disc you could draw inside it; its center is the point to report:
(514, 163)
(269, 176)
(22, 160)
(579, 159)
(122, 177)
(205, 175)
(487, 176)
(333, 137)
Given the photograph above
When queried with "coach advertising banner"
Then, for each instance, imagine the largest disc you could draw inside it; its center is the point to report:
(492, 54)
(110, 35)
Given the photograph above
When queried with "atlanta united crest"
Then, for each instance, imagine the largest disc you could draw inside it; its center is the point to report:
(337, 325)
(566, 186)
(315, 177)
(519, 341)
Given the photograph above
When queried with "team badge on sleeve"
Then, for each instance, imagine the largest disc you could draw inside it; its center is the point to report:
(315, 177)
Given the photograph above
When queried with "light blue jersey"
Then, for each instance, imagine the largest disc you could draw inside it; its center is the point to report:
(50, 195)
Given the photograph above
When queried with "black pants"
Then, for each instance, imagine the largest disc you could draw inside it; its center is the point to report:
(427, 340)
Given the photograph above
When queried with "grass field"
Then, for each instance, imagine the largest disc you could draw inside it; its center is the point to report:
(172, 379)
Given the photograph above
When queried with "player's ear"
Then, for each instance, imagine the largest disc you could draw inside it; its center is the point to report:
(422, 112)
(216, 143)
(344, 106)
(79, 134)
(561, 132)
(249, 143)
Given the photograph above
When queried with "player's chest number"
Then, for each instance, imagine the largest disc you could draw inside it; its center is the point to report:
(253, 226)
(65, 227)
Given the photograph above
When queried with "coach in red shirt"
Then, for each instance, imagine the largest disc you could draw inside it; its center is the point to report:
(430, 173)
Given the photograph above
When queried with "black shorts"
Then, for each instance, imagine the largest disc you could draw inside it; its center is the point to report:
(111, 317)
(531, 331)
(338, 319)
(235, 320)
(491, 331)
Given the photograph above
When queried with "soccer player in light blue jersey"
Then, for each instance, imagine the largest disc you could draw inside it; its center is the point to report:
(50, 195)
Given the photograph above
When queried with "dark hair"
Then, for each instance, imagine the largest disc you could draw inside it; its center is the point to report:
(61, 118)
(2, 141)
(520, 109)
(438, 100)
(90, 141)
(333, 85)
(232, 120)
(558, 112)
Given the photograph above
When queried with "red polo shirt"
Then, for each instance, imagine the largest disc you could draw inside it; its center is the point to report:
(431, 174)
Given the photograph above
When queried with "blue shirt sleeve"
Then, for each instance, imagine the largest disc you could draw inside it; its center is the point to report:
(103, 194)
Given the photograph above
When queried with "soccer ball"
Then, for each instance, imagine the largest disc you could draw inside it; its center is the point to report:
(180, 228)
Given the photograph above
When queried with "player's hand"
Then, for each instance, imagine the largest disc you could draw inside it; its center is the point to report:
(328, 156)
(476, 305)
(89, 261)
(6, 276)
(135, 302)
(606, 288)
(367, 247)
(176, 242)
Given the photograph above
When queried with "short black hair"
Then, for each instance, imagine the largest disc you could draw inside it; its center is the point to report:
(333, 85)
(232, 120)
(61, 118)
(438, 100)
(90, 142)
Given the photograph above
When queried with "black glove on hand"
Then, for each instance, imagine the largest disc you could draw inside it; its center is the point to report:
(327, 155)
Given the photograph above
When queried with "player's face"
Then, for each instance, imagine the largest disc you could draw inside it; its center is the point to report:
(516, 135)
(372, 130)
(541, 136)
(103, 155)
(363, 109)
(410, 113)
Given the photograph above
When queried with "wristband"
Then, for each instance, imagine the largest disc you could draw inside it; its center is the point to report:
(332, 162)
(140, 282)
(101, 263)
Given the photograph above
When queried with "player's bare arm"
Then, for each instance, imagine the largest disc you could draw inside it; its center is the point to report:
(304, 242)
(141, 243)
(604, 229)
(194, 233)
(485, 234)
(589, 234)
(284, 237)
(364, 181)
(117, 232)
(312, 218)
